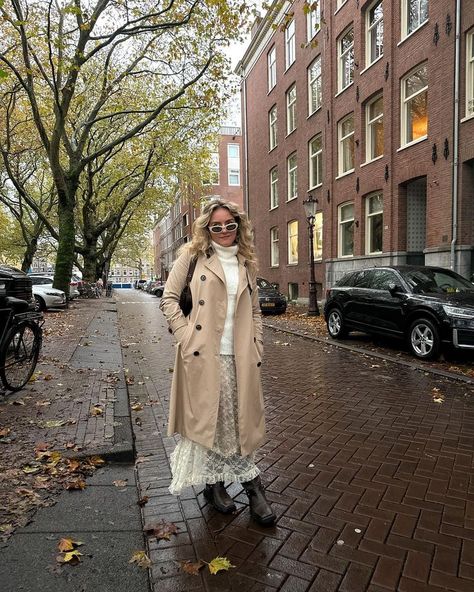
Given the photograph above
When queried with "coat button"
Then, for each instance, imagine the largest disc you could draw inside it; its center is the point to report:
(203, 277)
(198, 327)
(170, 330)
(259, 364)
(201, 302)
(196, 353)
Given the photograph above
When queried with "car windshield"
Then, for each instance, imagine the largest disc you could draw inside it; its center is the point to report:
(263, 283)
(435, 281)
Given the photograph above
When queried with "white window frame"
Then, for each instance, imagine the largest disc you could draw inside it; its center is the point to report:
(315, 161)
(370, 125)
(318, 236)
(405, 12)
(342, 223)
(215, 176)
(291, 110)
(314, 85)
(369, 217)
(405, 103)
(470, 74)
(292, 177)
(292, 227)
(272, 127)
(344, 55)
(313, 20)
(340, 3)
(372, 31)
(233, 166)
(271, 64)
(274, 247)
(290, 44)
(273, 178)
(342, 142)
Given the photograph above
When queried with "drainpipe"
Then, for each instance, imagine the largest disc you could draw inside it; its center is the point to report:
(457, 63)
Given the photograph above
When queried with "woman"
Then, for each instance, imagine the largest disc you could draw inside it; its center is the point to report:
(216, 397)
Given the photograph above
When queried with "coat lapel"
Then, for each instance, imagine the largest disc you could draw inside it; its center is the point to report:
(213, 264)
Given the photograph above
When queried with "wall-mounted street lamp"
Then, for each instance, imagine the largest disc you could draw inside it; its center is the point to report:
(310, 206)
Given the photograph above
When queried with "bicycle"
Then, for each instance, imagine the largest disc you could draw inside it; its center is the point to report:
(89, 291)
(21, 336)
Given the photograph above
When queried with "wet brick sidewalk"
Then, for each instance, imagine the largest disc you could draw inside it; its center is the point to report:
(368, 464)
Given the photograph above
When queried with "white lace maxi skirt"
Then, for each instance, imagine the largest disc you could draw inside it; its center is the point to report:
(193, 464)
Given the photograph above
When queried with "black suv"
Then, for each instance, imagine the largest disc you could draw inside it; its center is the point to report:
(427, 306)
(16, 283)
(270, 299)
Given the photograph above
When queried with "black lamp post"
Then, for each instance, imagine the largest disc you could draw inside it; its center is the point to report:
(310, 206)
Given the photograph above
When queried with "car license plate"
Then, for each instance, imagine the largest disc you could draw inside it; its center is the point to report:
(268, 304)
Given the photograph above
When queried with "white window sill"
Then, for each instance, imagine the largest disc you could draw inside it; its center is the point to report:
(273, 208)
(315, 111)
(344, 89)
(364, 164)
(292, 199)
(288, 67)
(314, 35)
(374, 253)
(346, 256)
(292, 264)
(275, 266)
(467, 118)
(272, 149)
(412, 33)
(345, 174)
(371, 64)
(315, 187)
(289, 133)
(338, 9)
(270, 89)
(412, 143)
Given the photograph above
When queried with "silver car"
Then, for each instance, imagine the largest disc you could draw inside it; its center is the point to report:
(45, 295)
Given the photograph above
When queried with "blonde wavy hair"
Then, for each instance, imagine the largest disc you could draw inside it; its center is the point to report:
(201, 238)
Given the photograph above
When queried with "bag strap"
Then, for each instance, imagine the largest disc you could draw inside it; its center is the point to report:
(192, 266)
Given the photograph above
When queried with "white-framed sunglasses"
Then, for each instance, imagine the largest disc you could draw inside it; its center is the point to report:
(217, 228)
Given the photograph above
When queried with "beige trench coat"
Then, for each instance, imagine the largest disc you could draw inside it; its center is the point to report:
(196, 379)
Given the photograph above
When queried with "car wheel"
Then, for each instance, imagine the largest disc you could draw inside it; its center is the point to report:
(40, 305)
(423, 339)
(335, 324)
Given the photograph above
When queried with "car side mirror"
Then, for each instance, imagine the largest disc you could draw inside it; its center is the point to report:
(394, 289)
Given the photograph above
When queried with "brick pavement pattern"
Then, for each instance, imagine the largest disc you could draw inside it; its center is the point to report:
(369, 466)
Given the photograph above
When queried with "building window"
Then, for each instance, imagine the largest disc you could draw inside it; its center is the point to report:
(274, 247)
(272, 72)
(274, 188)
(292, 177)
(314, 86)
(374, 223)
(313, 19)
(339, 3)
(315, 162)
(293, 242)
(318, 236)
(272, 122)
(470, 74)
(346, 145)
(345, 50)
(374, 28)
(414, 124)
(291, 110)
(346, 230)
(374, 129)
(233, 163)
(414, 14)
(290, 44)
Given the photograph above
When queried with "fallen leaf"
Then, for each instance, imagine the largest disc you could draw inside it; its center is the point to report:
(77, 484)
(120, 482)
(219, 564)
(137, 407)
(72, 557)
(141, 559)
(65, 545)
(48, 377)
(4, 432)
(97, 410)
(30, 469)
(96, 461)
(163, 530)
(143, 501)
(192, 568)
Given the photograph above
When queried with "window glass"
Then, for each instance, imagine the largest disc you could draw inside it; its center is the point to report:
(318, 236)
(274, 188)
(315, 162)
(314, 86)
(374, 32)
(290, 44)
(292, 177)
(233, 153)
(293, 242)
(272, 122)
(374, 129)
(271, 68)
(291, 110)
(416, 14)
(415, 105)
(275, 249)
(346, 230)
(470, 74)
(374, 223)
(346, 145)
(313, 19)
(380, 279)
(346, 59)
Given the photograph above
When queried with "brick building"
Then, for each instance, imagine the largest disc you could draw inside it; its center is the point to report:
(355, 103)
(174, 229)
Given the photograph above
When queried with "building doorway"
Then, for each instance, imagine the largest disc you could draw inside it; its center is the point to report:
(416, 221)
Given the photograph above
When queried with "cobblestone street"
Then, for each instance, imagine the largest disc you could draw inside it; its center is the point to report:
(367, 463)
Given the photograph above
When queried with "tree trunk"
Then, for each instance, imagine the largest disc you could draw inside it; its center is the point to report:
(89, 273)
(65, 256)
(29, 255)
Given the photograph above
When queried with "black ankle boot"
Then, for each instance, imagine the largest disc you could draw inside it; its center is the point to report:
(260, 509)
(218, 497)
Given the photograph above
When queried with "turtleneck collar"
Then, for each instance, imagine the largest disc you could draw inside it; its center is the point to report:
(225, 252)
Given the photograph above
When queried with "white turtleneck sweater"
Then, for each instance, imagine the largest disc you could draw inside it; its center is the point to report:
(230, 264)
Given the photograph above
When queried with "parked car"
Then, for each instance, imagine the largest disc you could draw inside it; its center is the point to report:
(158, 288)
(139, 284)
(427, 306)
(16, 284)
(270, 299)
(74, 285)
(45, 295)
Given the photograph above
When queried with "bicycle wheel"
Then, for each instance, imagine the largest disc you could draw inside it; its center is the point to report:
(20, 355)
